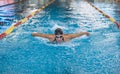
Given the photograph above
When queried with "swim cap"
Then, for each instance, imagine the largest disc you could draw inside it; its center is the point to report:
(58, 31)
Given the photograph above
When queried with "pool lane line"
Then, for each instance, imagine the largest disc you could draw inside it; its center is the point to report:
(13, 26)
(106, 15)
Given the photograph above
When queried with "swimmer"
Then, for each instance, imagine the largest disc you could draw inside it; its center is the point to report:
(59, 36)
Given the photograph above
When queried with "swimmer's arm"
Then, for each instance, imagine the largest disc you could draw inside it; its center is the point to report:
(78, 34)
(41, 35)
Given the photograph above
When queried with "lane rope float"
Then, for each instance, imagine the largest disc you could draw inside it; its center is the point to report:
(106, 15)
(13, 26)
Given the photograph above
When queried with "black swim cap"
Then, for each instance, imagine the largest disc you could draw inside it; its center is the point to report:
(58, 31)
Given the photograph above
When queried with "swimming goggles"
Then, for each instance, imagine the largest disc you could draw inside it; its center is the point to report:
(59, 36)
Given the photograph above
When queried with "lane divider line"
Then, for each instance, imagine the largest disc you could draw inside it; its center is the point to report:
(13, 26)
(106, 15)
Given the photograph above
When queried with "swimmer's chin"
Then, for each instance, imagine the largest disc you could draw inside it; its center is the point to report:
(51, 42)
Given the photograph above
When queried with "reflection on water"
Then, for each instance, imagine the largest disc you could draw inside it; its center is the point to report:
(14, 12)
(111, 7)
(7, 14)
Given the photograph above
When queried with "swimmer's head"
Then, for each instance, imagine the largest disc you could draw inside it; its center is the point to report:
(58, 31)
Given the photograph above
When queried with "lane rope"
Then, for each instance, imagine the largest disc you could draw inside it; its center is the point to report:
(13, 26)
(106, 15)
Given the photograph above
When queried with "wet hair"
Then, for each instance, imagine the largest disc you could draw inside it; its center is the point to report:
(58, 31)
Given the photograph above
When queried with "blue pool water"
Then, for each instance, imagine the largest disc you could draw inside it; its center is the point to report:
(21, 53)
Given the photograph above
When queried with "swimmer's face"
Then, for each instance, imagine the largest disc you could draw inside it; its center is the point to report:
(59, 38)
(59, 35)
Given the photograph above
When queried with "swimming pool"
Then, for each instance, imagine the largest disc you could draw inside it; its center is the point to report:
(21, 53)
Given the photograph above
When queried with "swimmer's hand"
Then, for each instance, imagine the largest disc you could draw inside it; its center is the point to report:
(34, 34)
